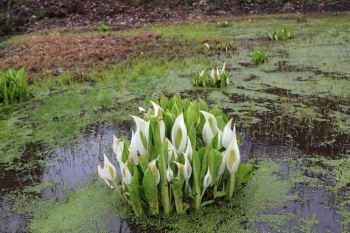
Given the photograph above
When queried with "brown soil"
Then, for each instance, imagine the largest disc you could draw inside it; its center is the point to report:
(30, 15)
(54, 53)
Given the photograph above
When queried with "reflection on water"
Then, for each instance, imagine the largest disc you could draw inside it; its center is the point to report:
(313, 202)
(72, 167)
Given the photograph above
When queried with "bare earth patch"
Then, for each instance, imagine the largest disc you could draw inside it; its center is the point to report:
(57, 53)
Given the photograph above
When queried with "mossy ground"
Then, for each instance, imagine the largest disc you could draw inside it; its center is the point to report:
(300, 99)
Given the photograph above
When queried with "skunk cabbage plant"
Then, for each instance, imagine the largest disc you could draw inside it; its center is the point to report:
(181, 156)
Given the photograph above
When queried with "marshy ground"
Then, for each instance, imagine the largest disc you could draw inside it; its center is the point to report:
(293, 114)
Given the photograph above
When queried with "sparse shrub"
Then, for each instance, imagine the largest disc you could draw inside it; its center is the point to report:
(224, 24)
(281, 34)
(230, 46)
(13, 86)
(260, 57)
(217, 78)
(103, 28)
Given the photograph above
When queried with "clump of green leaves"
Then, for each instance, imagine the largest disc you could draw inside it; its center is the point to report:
(181, 156)
(217, 78)
(103, 28)
(223, 24)
(260, 57)
(281, 34)
(13, 86)
(225, 47)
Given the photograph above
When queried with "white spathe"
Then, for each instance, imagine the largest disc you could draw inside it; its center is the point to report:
(227, 134)
(118, 148)
(179, 135)
(169, 174)
(157, 109)
(206, 181)
(155, 172)
(108, 172)
(232, 155)
(140, 136)
(126, 174)
(209, 127)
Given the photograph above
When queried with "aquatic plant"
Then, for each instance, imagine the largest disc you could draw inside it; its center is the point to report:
(182, 155)
(13, 86)
(260, 57)
(223, 24)
(223, 46)
(103, 28)
(281, 34)
(217, 78)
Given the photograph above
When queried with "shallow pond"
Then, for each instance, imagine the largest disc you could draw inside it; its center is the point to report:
(293, 114)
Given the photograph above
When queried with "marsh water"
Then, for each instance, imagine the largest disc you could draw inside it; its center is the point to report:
(293, 115)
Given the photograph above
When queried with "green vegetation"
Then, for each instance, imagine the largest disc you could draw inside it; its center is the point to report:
(103, 28)
(13, 86)
(199, 161)
(260, 57)
(217, 78)
(224, 24)
(281, 34)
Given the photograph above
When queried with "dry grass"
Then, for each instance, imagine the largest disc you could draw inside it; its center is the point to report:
(68, 52)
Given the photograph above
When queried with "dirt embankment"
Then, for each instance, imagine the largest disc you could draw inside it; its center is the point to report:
(23, 16)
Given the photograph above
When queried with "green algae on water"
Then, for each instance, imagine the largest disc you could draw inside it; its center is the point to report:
(90, 208)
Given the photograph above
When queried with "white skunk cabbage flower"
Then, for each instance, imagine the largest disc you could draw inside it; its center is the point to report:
(141, 110)
(162, 129)
(206, 44)
(206, 181)
(157, 109)
(218, 73)
(133, 149)
(227, 134)
(179, 135)
(201, 73)
(108, 172)
(187, 174)
(209, 127)
(181, 171)
(212, 74)
(141, 136)
(188, 152)
(219, 132)
(118, 148)
(223, 68)
(154, 170)
(188, 169)
(222, 167)
(126, 174)
(171, 151)
(232, 155)
(169, 174)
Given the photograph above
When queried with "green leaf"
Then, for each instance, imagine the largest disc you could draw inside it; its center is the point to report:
(220, 194)
(151, 192)
(207, 203)
(196, 168)
(133, 189)
(143, 162)
(176, 186)
(243, 175)
(164, 186)
(214, 162)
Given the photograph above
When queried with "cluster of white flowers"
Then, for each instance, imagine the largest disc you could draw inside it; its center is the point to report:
(167, 160)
